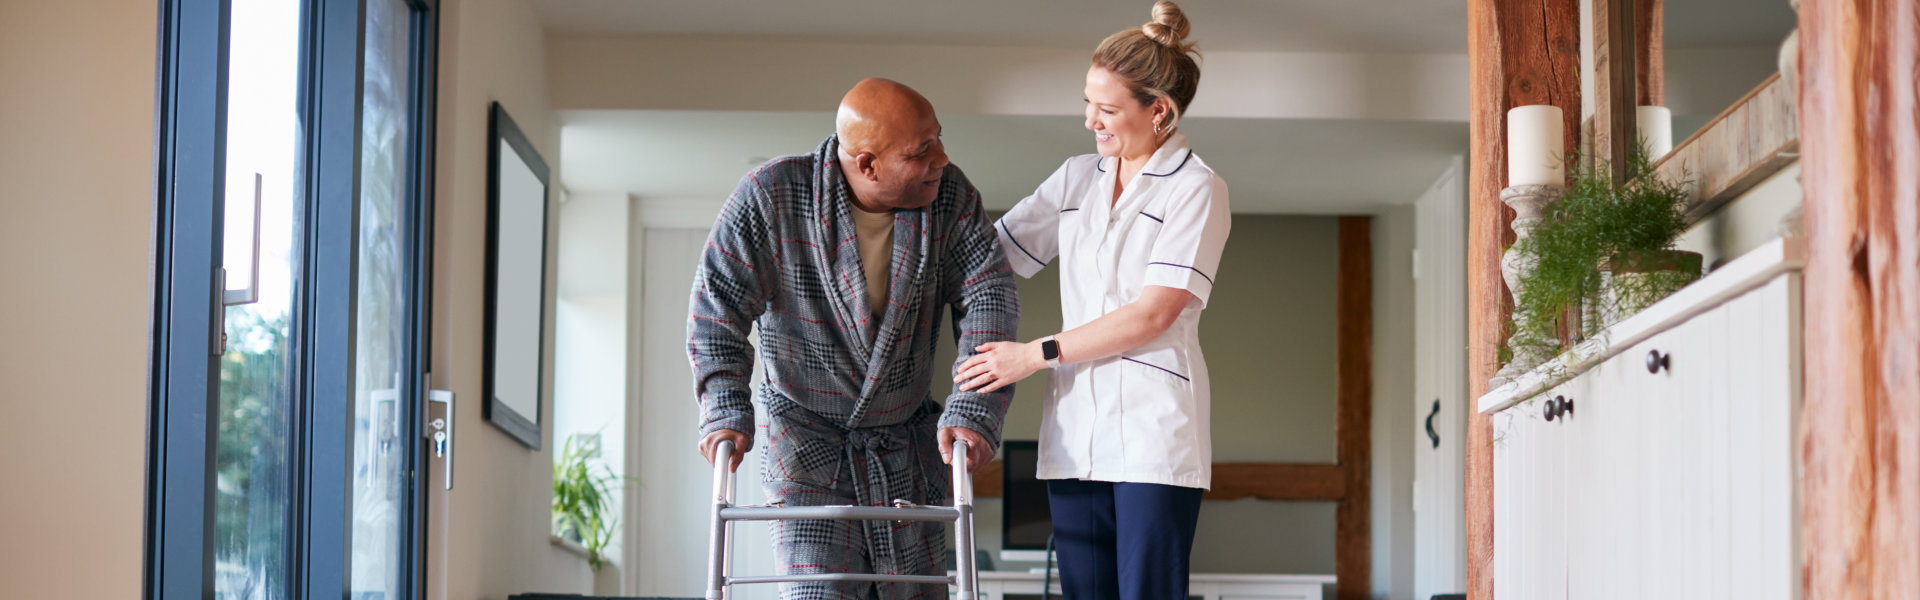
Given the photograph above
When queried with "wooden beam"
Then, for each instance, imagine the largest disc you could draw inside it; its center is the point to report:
(1519, 52)
(1233, 481)
(1274, 481)
(1614, 99)
(1860, 427)
(1743, 146)
(1650, 52)
(1353, 351)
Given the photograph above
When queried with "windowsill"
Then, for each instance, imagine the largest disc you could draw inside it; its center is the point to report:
(575, 548)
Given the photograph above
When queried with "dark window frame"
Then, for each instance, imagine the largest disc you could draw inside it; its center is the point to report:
(189, 199)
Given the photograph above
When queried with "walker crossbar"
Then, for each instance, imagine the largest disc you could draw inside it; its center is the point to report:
(839, 513)
(926, 579)
(720, 569)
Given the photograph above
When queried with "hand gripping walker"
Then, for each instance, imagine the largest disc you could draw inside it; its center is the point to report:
(720, 568)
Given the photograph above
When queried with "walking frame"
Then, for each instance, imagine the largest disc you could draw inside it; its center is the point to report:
(720, 576)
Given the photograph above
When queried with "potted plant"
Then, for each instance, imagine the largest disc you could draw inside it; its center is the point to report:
(1601, 253)
(583, 497)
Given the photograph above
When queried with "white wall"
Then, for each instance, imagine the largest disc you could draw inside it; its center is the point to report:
(1393, 383)
(1747, 221)
(590, 360)
(642, 72)
(493, 527)
(590, 341)
(76, 234)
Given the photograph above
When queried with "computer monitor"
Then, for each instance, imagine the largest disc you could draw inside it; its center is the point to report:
(1025, 520)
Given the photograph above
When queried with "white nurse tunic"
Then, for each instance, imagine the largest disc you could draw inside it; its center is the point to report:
(1140, 416)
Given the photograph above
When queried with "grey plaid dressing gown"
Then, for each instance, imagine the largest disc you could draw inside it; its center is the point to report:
(851, 417)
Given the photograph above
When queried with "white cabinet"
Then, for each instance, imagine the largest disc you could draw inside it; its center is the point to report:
(1670, 481)
(1005, 585)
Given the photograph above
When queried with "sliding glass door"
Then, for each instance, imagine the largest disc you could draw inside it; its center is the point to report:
(293, 207)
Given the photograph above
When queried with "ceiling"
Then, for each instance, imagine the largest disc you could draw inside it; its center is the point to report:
(1263, 25)
(1236, 25)
(1271, 166)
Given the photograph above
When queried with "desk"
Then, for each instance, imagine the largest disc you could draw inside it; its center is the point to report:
(999, 585)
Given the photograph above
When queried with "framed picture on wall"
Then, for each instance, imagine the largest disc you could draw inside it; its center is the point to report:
(517, 184)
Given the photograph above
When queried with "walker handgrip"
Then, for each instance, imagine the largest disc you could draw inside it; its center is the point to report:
(965, 581)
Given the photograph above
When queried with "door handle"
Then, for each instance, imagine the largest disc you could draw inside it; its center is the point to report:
(1431, 434)
(439, 432)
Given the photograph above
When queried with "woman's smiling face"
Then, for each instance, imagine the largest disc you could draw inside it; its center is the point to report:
(1121, 126)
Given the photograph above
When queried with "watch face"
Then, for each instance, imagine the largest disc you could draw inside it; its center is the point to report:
(1050, 349)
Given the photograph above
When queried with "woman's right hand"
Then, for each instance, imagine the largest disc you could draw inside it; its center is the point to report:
(998, 365)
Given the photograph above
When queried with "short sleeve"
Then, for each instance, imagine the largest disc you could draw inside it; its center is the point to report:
(1030, 233)
(1186, 254)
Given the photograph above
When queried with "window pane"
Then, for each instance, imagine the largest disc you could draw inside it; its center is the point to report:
(251, 452)
(381, 335)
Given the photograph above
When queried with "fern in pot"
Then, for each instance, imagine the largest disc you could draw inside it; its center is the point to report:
(583, 497)
(1603, 252)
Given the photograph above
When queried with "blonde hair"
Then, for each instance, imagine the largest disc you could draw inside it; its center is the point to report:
(1155, 61)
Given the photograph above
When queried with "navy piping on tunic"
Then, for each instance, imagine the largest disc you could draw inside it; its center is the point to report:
(1155, 219)
(1023, 249)
(1169, 371)
(1209, 279)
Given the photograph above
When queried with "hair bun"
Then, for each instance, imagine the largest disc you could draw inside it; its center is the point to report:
(1169, 26)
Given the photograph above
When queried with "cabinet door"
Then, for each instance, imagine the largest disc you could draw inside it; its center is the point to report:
(1529, 487)
(1603, 499)
(1680, 478)
(1759, 373)
(1675, 375)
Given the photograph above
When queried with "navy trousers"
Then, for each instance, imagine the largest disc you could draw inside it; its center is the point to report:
(1123, 541)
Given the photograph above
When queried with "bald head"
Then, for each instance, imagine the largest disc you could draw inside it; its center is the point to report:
(880, 113)
(890, 145)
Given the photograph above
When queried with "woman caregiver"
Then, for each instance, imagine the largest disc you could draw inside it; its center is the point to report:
(1138, 228)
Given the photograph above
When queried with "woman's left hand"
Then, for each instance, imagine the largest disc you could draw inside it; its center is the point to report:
(998, 365)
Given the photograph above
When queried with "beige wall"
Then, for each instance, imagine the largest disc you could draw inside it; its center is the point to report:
(493, 528)
(681, 73)
(76, 236)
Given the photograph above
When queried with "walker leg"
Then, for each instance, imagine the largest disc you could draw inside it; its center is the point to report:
(717, 545)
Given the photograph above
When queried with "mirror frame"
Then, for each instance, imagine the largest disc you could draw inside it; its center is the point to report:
(525, 428)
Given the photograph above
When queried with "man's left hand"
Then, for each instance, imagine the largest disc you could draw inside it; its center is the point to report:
(978, 452)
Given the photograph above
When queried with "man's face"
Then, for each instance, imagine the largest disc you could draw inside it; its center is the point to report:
(908, 169)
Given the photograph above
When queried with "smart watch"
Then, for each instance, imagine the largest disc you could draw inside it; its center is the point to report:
(1050, 350)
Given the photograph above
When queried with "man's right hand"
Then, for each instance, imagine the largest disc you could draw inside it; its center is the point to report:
(741, 444)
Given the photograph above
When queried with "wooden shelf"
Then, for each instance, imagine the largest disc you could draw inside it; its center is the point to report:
(1750, 271)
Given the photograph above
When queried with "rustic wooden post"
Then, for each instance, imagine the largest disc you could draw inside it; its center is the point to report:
(1614, 76)
(1649, 52)
(1860, 434)
(1520, 52)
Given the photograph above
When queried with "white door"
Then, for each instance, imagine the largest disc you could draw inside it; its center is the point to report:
(674, 482)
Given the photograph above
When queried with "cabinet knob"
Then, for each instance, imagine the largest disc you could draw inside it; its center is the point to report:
(1557, 407)
(1657, 361)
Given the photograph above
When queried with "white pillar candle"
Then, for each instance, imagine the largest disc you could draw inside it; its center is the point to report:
(1535, 146)
(1656, 130)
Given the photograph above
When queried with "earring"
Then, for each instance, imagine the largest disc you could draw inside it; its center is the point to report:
(1156, 127)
